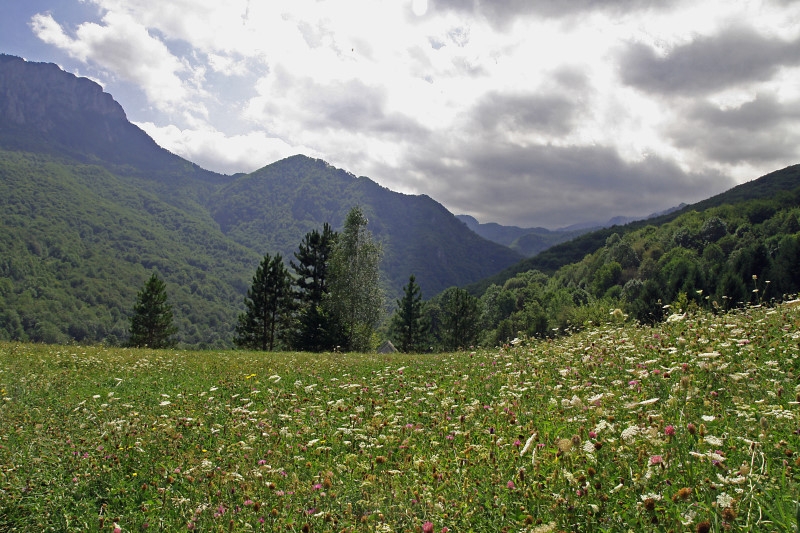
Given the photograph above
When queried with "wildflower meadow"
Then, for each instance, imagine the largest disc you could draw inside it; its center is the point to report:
(688, 426)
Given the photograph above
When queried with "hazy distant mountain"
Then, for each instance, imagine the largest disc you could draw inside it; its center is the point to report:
(90, 205)
(531, 241)
(527, 241)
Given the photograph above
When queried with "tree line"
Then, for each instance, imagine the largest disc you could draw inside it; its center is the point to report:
(331, 300)
(720, 258)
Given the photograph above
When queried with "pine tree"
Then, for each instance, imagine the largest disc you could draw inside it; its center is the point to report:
(356, 299)
(408, 327)
(460, 313)
(151, 323)
(269, 305)
(316, 327)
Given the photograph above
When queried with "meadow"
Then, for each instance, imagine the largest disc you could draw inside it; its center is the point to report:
(689, 426)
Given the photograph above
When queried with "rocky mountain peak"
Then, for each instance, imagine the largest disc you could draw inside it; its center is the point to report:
(40, 95)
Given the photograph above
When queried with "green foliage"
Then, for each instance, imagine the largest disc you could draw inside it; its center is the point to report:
(270, 303)
(274, 207)
(356, 298)
(317, 329)
(408, 329)
(716, 259)
(77, 242)
(151, 322)
(457, 327)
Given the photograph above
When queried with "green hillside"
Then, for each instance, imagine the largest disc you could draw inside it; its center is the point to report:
(775, 185)
(91, 205)
(742, 249)
(274, 207)
(78, 242)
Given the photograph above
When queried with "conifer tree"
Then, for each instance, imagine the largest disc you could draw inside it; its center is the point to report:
(269, 305)
(356, 299)
(151, 323)
(460, 314)
(316, 327)
(408, 327)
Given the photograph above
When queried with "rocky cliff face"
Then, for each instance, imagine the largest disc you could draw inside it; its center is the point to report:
(40, 95)
(44, 109)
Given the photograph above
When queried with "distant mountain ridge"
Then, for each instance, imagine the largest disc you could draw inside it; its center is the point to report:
(531, 241)
(90, 204)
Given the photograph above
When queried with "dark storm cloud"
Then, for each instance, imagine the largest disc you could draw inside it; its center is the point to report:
(554, 186)
(519, 113)
(759, 131)
(501, 12)
(707, 64)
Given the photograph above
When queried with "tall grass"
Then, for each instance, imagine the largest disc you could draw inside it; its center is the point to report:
(688, 426)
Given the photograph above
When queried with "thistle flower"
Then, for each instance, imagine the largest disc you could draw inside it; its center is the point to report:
(683, 494)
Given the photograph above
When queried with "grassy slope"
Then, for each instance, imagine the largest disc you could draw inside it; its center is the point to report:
(689, 424)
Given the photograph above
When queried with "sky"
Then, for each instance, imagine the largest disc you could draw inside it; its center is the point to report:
(529, 113)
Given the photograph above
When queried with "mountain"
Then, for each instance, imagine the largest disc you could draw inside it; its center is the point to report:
(766, 189)
(526, 241)
(531, 241)
(90, 205)
(272, 208)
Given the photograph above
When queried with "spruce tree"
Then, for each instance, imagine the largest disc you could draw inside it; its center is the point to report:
(269, 304)
(356, 299)
(151, 323)
(316, 327)
(408, 326)
(460, 314)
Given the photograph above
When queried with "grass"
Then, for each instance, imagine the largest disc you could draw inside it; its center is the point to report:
(689, 426)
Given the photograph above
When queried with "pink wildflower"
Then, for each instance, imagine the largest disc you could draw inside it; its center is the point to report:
(669, 431)
(427, 527)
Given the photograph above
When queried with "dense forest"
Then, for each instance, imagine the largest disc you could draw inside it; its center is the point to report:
(728, 255)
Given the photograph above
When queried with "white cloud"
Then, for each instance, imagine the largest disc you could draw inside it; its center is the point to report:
(213, 150)
(452, 97)
(124, 48)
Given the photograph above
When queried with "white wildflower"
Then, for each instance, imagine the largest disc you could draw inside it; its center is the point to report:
(724, 500)
(528, 444)
(630, 432)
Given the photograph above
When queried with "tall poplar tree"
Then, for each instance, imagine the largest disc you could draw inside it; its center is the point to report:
(408, 326)
(269, 305)
(151, 323)
(317, 329)
(356, 299)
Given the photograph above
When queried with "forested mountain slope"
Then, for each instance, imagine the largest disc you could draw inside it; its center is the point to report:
(736, 249)
(90, 206)
(773, 186)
